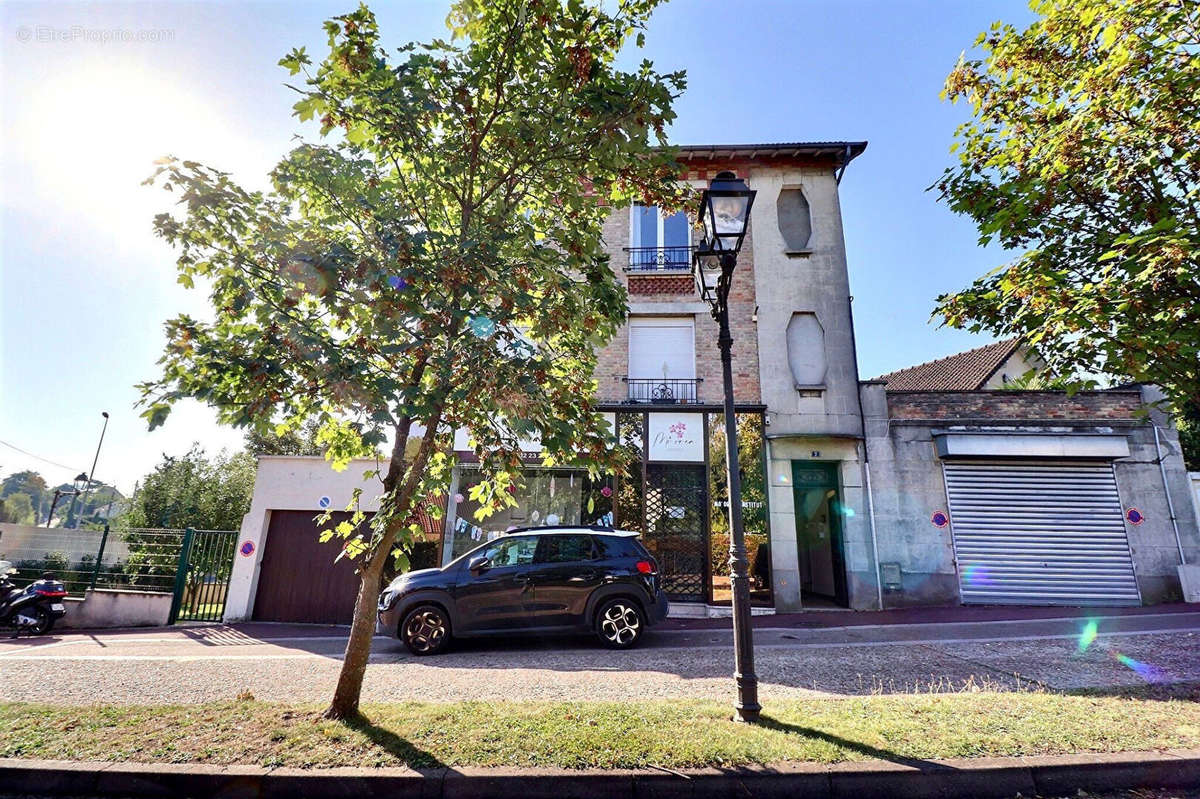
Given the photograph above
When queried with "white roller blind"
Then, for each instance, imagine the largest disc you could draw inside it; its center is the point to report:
(662, 347)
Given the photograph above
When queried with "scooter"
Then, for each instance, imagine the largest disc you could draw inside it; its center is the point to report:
(32, 609)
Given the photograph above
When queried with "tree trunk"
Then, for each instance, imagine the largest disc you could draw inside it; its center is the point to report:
(358, 647)
(362, 628)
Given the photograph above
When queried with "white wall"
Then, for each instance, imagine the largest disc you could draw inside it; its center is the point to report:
(291, 482)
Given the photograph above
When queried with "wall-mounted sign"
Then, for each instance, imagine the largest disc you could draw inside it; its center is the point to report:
(323, 502)
(247, 549)
(1134, 516)
(939, 518)
(677, 437)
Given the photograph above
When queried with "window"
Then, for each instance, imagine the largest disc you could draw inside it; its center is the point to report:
(612, 546)
(662, 358)
(659, 241)
(655, 228)
(565, 549)
(515, 551)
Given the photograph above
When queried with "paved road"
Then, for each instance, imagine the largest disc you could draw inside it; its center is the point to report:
(300, 663)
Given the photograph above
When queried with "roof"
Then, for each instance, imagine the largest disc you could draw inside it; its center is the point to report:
(966, 371)
(843, 151)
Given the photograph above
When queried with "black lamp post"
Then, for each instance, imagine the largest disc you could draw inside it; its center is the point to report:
(82, 492)
(724, 214)
(81, 481)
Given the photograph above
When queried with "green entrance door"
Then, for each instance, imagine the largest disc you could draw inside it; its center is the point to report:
(819, 531)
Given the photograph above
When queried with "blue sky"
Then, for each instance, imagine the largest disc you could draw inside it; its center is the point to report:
(93, 93)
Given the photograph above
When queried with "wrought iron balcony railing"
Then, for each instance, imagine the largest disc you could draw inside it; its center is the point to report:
(657, 391)
(659, 259)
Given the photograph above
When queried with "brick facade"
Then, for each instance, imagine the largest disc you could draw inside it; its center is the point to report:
(958, 406)
(670, 293)
(675, 285)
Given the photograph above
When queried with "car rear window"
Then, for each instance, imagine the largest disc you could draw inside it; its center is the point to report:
(619, 546)
(564, 548)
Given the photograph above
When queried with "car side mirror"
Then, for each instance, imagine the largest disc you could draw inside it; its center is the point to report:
(479, 565)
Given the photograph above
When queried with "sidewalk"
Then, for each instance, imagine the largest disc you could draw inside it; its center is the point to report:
(979, 778)
(819, 619)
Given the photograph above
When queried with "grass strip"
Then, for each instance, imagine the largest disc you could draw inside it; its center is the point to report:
(675, 734)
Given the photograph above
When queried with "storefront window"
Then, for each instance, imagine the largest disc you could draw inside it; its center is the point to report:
(754, 507)
(547, 497)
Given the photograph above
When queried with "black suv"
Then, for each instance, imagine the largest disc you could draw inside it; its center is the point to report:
(536, 580)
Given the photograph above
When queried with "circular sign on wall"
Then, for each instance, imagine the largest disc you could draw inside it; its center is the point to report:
(247, 549)
(323, 502)
(1134, 516)
(939, 518)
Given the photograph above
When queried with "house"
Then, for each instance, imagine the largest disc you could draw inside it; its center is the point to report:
(925, 486)
(990, 366)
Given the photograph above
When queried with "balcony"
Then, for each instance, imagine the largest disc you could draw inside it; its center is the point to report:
(659, 260)
(662, 391)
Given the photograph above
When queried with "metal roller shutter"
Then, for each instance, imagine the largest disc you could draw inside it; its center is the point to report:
(1039, 534)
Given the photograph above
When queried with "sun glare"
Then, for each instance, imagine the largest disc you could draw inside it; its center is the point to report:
(90, 137)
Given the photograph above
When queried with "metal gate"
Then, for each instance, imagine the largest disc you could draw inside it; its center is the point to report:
(202, 578)
(1039, 534)
(676, 504)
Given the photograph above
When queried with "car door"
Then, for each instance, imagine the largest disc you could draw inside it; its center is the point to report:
(565, 572)
(493, 600)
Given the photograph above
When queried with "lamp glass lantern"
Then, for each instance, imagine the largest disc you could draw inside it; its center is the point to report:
(81, 482)
(724, 216)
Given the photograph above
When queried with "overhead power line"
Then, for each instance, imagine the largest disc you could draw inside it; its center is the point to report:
(38, 457)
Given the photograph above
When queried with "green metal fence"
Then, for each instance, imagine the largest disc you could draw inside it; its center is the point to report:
(193, 565)
(202, 576)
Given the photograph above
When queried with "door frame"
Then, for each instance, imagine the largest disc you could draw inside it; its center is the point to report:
(831, 470)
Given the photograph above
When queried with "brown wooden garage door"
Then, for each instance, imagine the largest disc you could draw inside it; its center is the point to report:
(299, 581)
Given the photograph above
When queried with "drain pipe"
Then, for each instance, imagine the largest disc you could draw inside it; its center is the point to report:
(871, 516)
(1162, 470)
(862, 420)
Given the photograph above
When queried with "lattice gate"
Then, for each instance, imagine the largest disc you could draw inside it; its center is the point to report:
(676, 524)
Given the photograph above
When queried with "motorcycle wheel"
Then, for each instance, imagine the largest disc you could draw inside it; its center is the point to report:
(45, 622)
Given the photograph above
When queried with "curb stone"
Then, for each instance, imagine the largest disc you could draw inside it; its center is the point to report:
(979, 778)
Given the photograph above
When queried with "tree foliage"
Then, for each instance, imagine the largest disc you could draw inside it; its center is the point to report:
(435, 263)
(292, 440)
(17, 508)
(1081, 152)
(193, 490)
(33, 485)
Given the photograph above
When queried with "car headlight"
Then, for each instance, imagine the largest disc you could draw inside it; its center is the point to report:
(385, 599)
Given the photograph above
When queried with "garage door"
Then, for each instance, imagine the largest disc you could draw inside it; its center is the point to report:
(299, 581)
(1039, 534)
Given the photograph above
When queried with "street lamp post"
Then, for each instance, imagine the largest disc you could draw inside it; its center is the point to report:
(81, 481)
(724, 214)
(90, 476)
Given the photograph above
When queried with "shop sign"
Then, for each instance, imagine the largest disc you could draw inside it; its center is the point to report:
(677, 437)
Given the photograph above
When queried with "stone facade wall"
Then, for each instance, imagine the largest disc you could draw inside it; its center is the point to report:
(908, 482)
(1011, 405)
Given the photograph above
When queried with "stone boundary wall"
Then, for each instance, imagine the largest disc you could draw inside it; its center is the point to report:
(1011, 405)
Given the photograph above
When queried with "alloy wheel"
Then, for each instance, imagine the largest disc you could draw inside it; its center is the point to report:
(621, 624)
(425, 631)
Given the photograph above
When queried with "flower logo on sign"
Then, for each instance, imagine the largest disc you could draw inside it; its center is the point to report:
(678, 429)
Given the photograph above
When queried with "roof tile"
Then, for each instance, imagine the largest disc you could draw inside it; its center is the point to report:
(965, 371)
